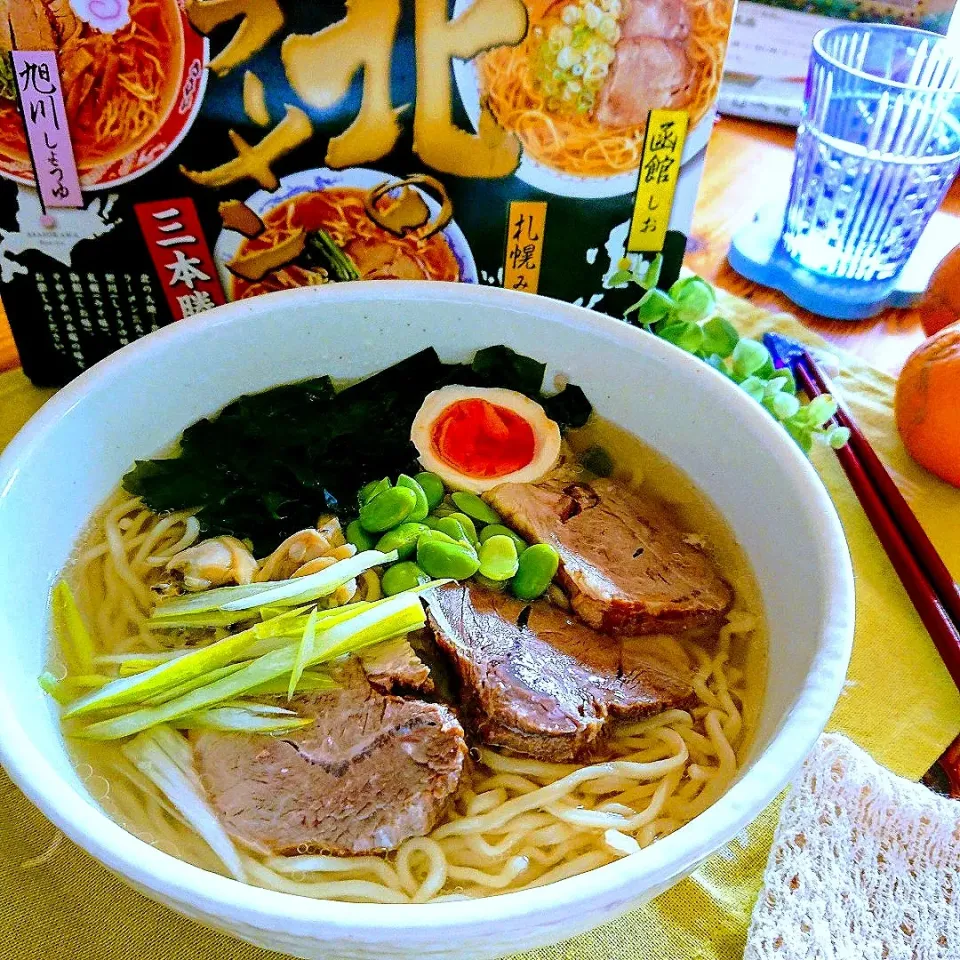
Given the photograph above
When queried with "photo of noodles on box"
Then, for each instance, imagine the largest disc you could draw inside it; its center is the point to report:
(132, 83)
(579, 89)
(326, 226)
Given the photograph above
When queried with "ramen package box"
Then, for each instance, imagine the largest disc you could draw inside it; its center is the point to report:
(161, 157)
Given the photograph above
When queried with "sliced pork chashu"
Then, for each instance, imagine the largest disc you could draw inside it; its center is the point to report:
(395, 665)
(627, 565)
(370, 772)
(536, 681)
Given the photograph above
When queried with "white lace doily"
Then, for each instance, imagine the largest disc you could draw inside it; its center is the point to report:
(864, 866)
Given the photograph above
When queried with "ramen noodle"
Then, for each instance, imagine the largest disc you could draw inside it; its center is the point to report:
(517, 821)
(376, 253)
(118, 87)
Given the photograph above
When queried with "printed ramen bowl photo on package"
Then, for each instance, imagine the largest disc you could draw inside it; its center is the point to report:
(410, 620)
(132, 79)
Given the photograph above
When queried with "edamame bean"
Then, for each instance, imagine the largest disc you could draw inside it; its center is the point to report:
(499, 530)
(422, 507)
(441, 559)
(557, 597)
(497, 586)
(439, 535)
(402, 576)
(444, 508)
(474, 507)
(403, 539)
(452, 527)
(359, 537)
(388, 509)
(432, 522)
(536, 568)
(469, 529)
(369, 490)
(432, 486)
(498, 558)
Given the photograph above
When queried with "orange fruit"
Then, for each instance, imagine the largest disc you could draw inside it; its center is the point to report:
(927, 404)
(941, 304)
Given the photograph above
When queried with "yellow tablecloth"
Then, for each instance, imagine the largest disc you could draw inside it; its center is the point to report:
(899, 704)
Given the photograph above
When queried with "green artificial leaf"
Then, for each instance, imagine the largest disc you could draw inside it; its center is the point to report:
(651, 276)
(653, 306)
(753, 387)
(749, 357)
(621, 277)
(719, 337)
(695, 299)
(687, 336)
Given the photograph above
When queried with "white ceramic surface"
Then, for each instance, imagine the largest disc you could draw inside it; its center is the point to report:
(69, 457)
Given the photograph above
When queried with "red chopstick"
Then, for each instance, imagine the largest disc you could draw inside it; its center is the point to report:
(925, 552)
(886, 509)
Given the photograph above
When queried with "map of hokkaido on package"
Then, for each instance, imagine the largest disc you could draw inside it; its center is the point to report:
(159, 158)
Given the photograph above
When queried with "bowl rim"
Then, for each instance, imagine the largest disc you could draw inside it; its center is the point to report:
(609, 887)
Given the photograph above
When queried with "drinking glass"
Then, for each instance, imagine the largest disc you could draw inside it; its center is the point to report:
(877, 149)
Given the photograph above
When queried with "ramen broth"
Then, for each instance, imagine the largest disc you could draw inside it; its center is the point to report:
(516, 822)
(639, 465)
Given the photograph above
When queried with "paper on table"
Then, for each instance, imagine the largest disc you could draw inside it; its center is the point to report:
(772, 43)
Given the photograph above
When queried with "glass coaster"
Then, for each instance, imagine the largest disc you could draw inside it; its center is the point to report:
(757, 254)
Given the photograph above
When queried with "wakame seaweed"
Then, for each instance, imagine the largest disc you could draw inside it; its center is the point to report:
(270, 463)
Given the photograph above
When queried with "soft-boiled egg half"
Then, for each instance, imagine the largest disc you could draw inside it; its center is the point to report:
(475, 438)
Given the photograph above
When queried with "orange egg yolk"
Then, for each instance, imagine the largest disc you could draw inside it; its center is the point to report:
(481, 439)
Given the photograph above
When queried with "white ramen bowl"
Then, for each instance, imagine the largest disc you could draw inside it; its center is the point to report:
(74, 451)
